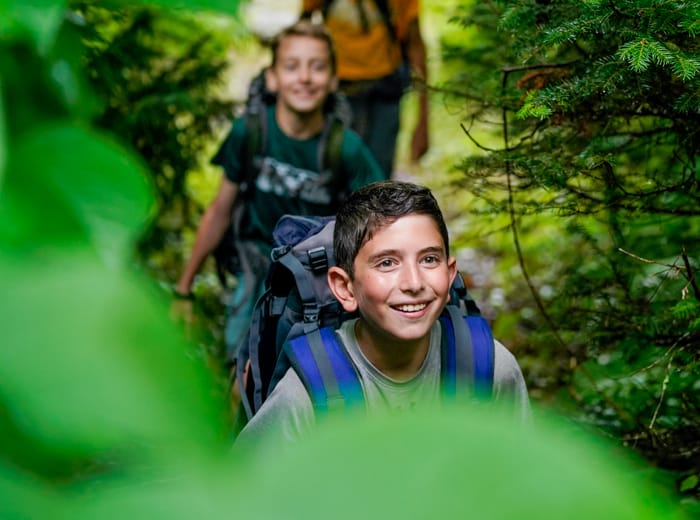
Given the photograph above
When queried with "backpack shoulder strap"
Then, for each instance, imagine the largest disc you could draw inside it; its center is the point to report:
(330, 144)
(382, 6)
(259, 98)
(330, 153)
(255, 144)
(385, 10)
(326, 370)
(467, 349)
(250, 353)
(467, 355)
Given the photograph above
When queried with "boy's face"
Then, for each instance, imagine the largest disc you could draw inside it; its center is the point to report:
(302, 76)
(402, 280)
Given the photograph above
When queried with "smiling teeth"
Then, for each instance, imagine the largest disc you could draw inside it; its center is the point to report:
(412, 308)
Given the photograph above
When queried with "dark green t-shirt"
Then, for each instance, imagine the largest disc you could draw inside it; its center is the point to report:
(289, 181)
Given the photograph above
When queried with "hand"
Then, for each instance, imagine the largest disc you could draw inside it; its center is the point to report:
(182, 310)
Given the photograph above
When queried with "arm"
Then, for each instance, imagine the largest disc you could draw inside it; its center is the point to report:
(417, 60)
(214, 223)
(509, 389)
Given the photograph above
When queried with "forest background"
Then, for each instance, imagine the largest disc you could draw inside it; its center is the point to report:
(564, 151)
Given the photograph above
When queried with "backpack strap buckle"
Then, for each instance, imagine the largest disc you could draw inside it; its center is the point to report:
(311, 313)
(318, 259)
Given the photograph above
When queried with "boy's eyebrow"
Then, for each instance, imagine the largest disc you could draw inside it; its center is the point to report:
(397, 252)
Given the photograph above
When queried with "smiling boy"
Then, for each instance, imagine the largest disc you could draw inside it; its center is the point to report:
(287, 178)
(393, 269)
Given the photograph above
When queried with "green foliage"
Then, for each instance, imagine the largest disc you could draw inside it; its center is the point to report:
(107, 411)
(160, 76)
(550, 471)
(598, 180)
(97, 381)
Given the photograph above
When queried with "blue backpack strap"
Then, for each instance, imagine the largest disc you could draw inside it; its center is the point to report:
(325, 369)
(483, 352)
(467, 354)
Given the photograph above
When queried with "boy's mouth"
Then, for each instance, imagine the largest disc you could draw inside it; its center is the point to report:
(414, 307)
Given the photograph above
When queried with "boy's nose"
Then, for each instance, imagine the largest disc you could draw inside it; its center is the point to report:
(304, 73)
(411, 278)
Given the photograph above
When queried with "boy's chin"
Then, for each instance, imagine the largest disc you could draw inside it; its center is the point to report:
(411, 333)
(306, 108)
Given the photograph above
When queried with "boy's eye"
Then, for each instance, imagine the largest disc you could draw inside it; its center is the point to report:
(289, 65)
(386, 263)
(431, 259)
(319, 66)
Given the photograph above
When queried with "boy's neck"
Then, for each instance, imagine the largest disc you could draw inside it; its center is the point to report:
(399, 360)
(299, 126)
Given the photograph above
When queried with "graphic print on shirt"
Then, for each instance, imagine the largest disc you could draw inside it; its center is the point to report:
(284, 180)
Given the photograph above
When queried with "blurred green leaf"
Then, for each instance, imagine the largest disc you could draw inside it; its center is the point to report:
(449, 463)
(3, 137)
(454, 463)
(92, 366)
(689, 483)
(39, 20)
(26, 497)
(72, 183)
(220, 6)
(67, 71)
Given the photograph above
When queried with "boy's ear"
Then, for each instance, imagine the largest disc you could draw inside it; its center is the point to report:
(270, 79)
(452, 268)
(341, 286)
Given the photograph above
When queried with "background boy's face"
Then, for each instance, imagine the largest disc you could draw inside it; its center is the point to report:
(402, 279)
(302, 76)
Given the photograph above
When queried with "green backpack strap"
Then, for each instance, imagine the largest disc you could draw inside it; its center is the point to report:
(330, 154)
(254, 146)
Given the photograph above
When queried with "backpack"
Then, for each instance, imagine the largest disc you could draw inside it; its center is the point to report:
(382, 6)
(394, 85)
(230, 257)
(294, 320)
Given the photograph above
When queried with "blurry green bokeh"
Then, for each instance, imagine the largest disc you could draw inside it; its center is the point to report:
(37, 21)
(107, 411)
(444, 464)
(454, 463)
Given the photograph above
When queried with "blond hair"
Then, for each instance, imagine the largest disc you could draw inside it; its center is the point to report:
(305, 27)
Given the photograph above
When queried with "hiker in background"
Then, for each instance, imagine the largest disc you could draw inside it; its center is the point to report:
(394, 270)
(379, 46)
(285, 175)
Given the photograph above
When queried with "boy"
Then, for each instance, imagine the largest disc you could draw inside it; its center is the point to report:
(302, 75)
(377, 43)
(393, 268)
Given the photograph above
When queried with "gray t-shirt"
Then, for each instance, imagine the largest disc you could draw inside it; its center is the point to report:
(288, 411)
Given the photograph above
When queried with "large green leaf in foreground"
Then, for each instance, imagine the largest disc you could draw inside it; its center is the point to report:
(451, 464)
